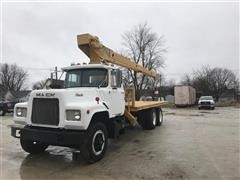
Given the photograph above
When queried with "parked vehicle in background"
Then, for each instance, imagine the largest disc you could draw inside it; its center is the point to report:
(3, 108)
(10, 105)
(184, 95)
(7, 107)
(206, 102)
(146, 98)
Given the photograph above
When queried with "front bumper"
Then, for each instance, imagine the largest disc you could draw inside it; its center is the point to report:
(50, 136)
(206, 106)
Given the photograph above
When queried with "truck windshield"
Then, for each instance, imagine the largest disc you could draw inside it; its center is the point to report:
(86, 77)
(206, 98)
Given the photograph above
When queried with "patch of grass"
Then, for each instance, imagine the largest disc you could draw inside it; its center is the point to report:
(169, 105)
(228, 103)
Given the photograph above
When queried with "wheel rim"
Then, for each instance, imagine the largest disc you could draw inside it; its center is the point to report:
(154, 118)
(1, 112)
(98, 142)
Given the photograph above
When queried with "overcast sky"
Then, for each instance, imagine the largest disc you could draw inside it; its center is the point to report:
(39, 36)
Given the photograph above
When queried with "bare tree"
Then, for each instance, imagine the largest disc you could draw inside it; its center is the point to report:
(221, 79)
(171, 83)
(146, 49)
(12, 77)
(156, 82)
(236, 88)
(186, 80)
(39, 85)
(212, 81)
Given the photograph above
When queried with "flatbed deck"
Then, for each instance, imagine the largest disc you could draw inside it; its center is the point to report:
(141, 105)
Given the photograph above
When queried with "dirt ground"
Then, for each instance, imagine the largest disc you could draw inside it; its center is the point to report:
(191, 144)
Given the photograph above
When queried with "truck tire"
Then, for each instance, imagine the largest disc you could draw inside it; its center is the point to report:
(2, 112)
(32, 147)
(149, 120)
(159, 117)
(95, 143)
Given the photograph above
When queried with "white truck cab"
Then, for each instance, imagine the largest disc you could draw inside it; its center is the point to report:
(88, 89)
(91, 92)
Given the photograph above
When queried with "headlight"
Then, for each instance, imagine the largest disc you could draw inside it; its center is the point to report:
(21, 112)
(73, 115)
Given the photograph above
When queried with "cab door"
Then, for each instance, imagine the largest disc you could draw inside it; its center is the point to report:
(117, 102)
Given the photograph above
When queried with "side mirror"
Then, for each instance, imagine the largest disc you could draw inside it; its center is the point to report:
(119, 78)
(56, 84)
(116, 76)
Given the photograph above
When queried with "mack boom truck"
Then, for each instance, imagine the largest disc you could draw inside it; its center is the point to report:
(92, 107)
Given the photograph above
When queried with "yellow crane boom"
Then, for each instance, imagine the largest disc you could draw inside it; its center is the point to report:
(98, 53)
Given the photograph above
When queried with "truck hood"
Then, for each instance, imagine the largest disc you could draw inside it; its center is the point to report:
(69, 95)
(83, 99)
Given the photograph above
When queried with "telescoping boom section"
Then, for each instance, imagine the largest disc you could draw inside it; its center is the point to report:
(98, 53)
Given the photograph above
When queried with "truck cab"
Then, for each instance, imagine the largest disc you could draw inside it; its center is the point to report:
(92, 94)
(105, 82)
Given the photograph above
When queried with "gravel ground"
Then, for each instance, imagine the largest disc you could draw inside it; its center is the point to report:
(191, 144)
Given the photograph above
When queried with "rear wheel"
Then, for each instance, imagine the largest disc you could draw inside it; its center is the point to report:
(95, 144)
(32, 147)
(159, 117)
(149, 119)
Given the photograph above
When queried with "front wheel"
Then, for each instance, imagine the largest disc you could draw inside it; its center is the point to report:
(94, 147)
(32, 147)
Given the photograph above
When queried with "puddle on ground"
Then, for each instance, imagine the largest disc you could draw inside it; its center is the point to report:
(208, 112)
(175, 172)
(170, 113)
(136, 141)
(179, 114)
(196, 115)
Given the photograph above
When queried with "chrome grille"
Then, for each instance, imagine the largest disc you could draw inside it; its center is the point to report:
(45, 111)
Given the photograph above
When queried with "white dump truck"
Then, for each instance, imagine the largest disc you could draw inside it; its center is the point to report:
(91, 107)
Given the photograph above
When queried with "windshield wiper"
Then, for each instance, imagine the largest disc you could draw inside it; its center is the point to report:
(102, 82)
